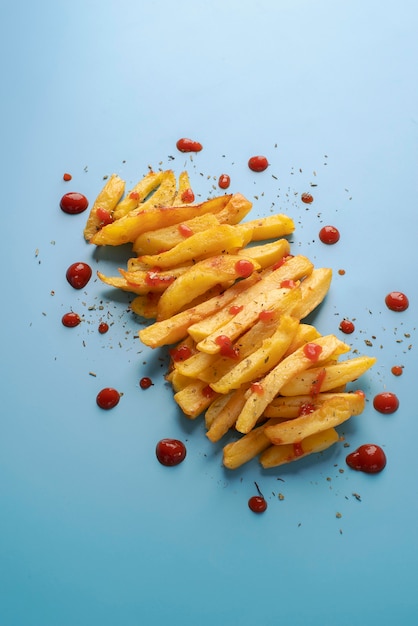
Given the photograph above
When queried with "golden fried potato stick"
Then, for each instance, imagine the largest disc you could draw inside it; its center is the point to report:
(261, 361)
(289, 407)
(140, 192)
(268, 254)
(271, 227)
(248, 447)
(293, 269)
(331, 376)
(273, 382)
(183, 185)
(149, 216)
(198, 279)
(273, 456)
(313, 288)
(175, 328)
(146, 305)
(215, 408)
(227, 415)
(194, 398)
(331, 413)
(161, 239)
(106, 202)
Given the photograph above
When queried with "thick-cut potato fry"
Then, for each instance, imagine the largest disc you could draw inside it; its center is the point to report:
(313, 289)
(140, 192)
(289, 407)
(304, 334)
(236, 209)
(146, 305)
(273, 382)
(267, 254)
(198, 279)
(331, 413)
(121, 283)
(193, 399)
(175, 328)
(156, 241)
(293, 269)
(213, 241)
(227, 416)
(271, 227)
(274, 456)
(243, 450)
(330, 376)
(107, 200)
(215, 408)
(262, 360)
(183, 185)
(149, 217)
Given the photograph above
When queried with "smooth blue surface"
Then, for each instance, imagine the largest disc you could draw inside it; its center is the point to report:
(92, 529)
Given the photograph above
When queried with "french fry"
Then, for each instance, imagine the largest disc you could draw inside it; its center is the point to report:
(268, 254)
(246, 448)
(215, 408)
(313, 290)
(235, 210)
(289, 407)
(175, 328)
(331, 376)
(273, 456)
(262, 360)
(183, 186)
(106, 201)
(121, 283)
(274, 381)
(193, 399)
(148, 216)
(227, 415)
(198, 279)
(331, 413)
(161, 239)
(146, 305)
(271, 227)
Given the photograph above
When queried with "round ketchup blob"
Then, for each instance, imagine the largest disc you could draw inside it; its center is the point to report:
(145, 382)
(257, 504)
(307, 198)
(368, 458)
(386, 402)
(329, 235)
(397, 370)
(224, 181)
(258, 163)
(74, 203)
(78, 275)
(188, 145)
(108, 398)
(397, 301)
(70, 320)
(103, 328)
(347, 327)
(187, 196)
(244, 268)
(170, 452)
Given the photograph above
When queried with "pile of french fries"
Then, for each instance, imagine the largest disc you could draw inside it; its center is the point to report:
(231, 310)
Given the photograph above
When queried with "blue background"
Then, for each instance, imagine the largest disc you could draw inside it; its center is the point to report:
(92, 529)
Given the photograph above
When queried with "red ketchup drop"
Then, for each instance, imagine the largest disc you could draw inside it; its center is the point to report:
(108, 398)
(367, 458)
(224, 181)
(386, 402)
(307, 198)
(180, 354)
(188, 145)
(103, 328)
(185, 230)
(258, 163)
(329, 235)
(67, 176)
(187, 196)
(397, 301)
(397, 370)
(78, 275)
(170, 452)
(145, 382)
(244, 268)
(74, 203)
(347, 327)
(257, 504)
(226, 348)
(70, 320)
(312, 351)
